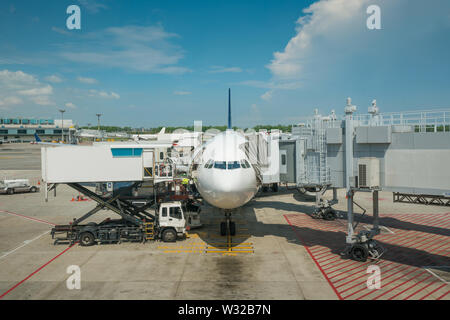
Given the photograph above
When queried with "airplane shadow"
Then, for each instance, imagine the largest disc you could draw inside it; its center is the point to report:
(307, 236)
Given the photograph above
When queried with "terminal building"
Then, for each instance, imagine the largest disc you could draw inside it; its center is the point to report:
(23, 129)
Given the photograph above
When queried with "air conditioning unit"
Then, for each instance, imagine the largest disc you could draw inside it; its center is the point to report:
(368, 172)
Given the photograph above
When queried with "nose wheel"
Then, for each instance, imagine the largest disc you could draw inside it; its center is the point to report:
(227, 227)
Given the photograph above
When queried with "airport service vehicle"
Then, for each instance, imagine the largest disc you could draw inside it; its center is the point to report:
(17, 185)
(168, 224)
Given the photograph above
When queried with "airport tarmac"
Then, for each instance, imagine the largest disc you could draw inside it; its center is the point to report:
(279, 251)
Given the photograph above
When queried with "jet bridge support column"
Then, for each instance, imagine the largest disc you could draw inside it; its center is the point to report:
(349, 178)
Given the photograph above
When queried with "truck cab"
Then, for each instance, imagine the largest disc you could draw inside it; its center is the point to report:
(171, 221)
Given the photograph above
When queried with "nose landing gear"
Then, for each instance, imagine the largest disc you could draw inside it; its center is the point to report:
(227, 226)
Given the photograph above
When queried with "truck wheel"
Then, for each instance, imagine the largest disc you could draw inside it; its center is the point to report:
(87, 239)
(33, 189)
(169, 235)
(223, 228)
(232, 228)
(275, 187)
(265, 188)
(10, 191)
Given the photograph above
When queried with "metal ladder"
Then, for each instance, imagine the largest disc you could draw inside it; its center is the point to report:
(149, 230)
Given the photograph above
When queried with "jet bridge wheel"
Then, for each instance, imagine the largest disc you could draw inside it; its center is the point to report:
(359, 252)
(329, 214)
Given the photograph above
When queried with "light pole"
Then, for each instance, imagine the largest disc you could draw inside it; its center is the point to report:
(98, 122)
(62, 124)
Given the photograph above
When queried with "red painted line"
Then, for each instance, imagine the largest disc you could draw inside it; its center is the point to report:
(315, 261)
(323, 255)
(421, 289)
(446, 241)
(340, 264)
(443, 295)
(36, 271)
(349, 269)
(438, 288)
(405, 244)
(401, 238)
(401, 284)
(333, 257)
(410, 287)
(348, 276)
(439, 252)
(26, 217)
(404, 275)
(360, 283)
(319, 249)
(365, 282)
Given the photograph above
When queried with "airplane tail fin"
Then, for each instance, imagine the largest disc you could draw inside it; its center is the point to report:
(163, 130)
(229, 108)
(37, 138)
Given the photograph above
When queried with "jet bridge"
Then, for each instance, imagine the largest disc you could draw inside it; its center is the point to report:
(407, 153)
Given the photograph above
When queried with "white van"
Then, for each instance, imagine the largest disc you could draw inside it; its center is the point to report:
(18, 185)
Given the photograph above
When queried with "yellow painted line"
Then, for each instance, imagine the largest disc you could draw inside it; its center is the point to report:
(208, 248)
(233, 251)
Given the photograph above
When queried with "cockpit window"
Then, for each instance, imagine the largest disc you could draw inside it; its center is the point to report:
(220, 165)
(233, 165)
(245, 164)
(209, 164)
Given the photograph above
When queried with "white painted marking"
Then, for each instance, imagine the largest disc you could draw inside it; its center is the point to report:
(434, 274)
(23, 245)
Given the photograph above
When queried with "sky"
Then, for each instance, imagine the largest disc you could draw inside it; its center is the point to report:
(168, 63)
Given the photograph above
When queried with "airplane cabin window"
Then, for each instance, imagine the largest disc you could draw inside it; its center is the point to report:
(220, 165)
(233, 165)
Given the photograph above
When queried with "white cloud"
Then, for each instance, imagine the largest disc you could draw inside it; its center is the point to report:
(87, 80)
(92, 6)
(70, 105)
(9, 101)
(103, 94)
(61, 31)
(17, 79)
(220, 69)
(182, 93)
(136, 48)
(14, 83)
(37, 91)
(267, 95)
(53, 78)
(322, 20)
(42, 100)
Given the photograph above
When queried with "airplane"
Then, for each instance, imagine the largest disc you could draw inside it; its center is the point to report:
(138, 137)
(223, 175)
(39, 141)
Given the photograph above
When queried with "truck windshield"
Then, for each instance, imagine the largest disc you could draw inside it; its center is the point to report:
(233, 165)
(175, 212)
(220, 165)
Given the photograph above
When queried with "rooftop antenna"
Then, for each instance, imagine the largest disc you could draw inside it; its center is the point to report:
(229, 108)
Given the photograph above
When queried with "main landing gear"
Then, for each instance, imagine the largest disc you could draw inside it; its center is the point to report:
(227, 226)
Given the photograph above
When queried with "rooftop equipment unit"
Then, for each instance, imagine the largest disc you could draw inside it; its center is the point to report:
(368, 173)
